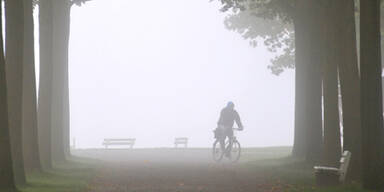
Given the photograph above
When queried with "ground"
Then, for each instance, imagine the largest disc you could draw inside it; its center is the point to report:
(179, 170)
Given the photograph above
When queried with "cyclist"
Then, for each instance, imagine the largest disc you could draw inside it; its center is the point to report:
(228, 116)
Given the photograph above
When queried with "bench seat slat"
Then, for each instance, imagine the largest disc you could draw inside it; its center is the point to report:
(321, 168)
(341, 171)
(119, 141)
(182, 141)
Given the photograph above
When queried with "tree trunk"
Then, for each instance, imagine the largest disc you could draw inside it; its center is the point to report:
(14, 63)
(313, 83)
(45, 88)
(350, 86)
(371, 94)
(299, 144)
(332, 143)
(66, 107)
(7, 176)
(30, 132)
(308, 122)
(60, 99)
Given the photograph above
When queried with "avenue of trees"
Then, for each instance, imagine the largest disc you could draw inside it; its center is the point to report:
(34, 133)
(318, 38)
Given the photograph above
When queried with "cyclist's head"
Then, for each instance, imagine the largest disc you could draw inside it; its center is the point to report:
(230, 105)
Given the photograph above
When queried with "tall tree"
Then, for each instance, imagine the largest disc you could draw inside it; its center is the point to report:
(14, 14)
(371, 94)
(271, 20)
(349, 84)
(279, 37)
(7, 176)
(45, 88)
(30, 132)
(332, 143)
(55, 25)
(60, 100)
(299, 141)
(313, 81)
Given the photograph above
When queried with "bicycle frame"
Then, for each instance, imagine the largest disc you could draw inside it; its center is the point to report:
(233, 140)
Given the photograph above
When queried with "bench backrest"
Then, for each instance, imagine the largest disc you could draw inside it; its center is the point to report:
(120, 140)
(344, 163)
(181, 140)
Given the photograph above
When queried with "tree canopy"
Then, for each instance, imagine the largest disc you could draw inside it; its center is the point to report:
(270, 21)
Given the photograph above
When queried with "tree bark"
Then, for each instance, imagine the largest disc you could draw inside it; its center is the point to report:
(350, 86)
(45, 88)
(60, 97)
(308, 113)
(6, 177)
(299, 143)
(66, 107)
(30, 132)
(332, 143)
(313, 83)
(371, 94)
(14, 63)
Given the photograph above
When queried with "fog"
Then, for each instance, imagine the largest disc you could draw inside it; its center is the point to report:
(155, 70)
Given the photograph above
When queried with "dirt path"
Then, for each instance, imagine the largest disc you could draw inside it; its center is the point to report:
(171, 171)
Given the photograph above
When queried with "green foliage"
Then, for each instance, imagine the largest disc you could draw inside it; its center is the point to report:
(79, 2)
(268, 9)
(72, 2)
(269, 20)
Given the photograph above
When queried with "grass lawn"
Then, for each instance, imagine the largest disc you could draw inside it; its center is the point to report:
(281, 172)
(72, 176)
(285, 172)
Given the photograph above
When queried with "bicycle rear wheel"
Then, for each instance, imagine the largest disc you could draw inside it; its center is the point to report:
(235, 152)
(217, 153)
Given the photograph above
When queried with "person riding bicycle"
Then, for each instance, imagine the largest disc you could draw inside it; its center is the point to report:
(228, 116)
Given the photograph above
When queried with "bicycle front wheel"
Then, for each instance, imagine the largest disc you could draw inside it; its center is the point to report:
(235, 152)
(217, 153)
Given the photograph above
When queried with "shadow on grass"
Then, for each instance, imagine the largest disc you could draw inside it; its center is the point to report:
(73, 175)
(9, 190)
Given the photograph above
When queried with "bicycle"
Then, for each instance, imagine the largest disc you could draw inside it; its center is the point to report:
(233, 155)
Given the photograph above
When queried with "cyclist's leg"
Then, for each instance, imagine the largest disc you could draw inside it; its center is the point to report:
(230, 139)
(221, 137)
(222, 143)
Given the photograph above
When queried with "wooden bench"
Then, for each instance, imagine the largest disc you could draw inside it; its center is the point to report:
(340, 172)
(129, 141)
(181, 141)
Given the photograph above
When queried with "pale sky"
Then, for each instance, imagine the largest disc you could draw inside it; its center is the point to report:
(155, 70)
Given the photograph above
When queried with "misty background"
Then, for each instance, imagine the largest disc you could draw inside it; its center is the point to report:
(155, 70)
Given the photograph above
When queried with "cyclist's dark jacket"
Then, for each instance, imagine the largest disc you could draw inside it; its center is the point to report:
(228, 117)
